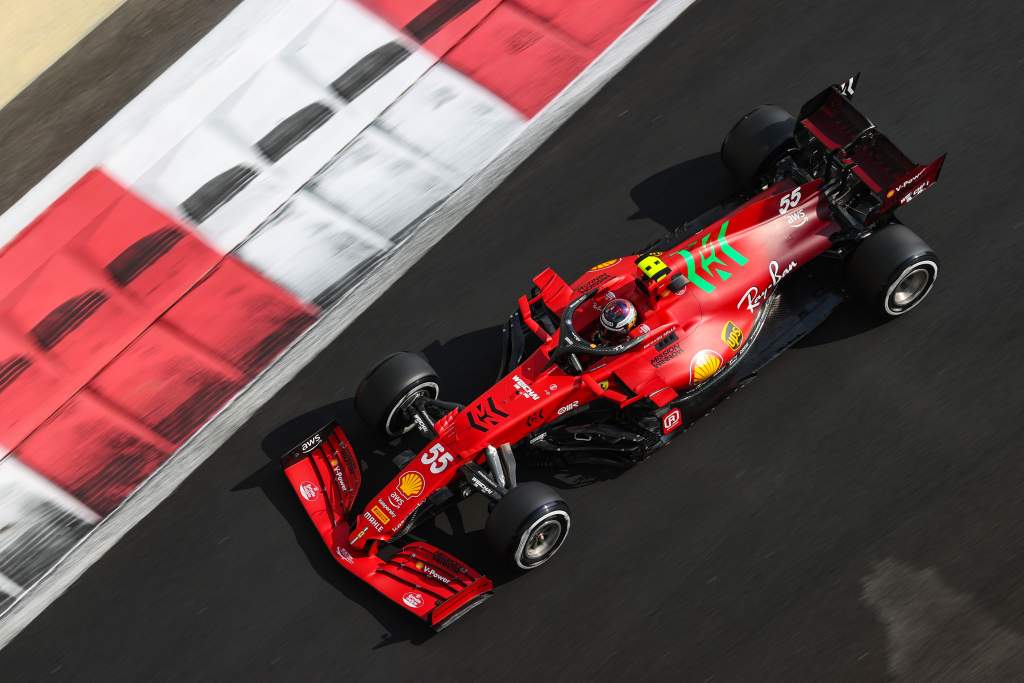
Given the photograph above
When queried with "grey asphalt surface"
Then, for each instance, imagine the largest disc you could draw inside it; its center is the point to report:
(854, 514)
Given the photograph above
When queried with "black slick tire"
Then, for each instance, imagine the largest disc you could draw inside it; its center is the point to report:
(394, 382)
(756, 140)
(892, 271)
(528, 525)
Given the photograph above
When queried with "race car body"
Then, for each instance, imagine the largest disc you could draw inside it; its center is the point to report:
(714, 300)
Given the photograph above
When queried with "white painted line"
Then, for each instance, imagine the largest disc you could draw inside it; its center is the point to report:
(187, 111)
(9, 587)
(204, 443)
(136, 139)
(204, 55)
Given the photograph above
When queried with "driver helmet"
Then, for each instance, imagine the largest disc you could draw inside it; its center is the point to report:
(618, 316)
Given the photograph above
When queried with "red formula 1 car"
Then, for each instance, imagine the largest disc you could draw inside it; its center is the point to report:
(711, 303)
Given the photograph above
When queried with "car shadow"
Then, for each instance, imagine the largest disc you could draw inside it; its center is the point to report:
(681, 193)
(468, 364)
(847, 320)
(377, 471)
(396, 623)
(575, 477)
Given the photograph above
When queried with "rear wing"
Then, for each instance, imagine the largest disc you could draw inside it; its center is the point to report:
(858, 147)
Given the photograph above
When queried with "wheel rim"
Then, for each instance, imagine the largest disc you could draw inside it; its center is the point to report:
(911, 287)
(429, 389)
(542, 541)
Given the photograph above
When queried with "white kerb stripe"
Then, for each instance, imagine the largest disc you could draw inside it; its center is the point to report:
(9, 587)
(31, 481)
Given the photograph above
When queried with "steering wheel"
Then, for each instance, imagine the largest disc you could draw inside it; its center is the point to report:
(571, 343)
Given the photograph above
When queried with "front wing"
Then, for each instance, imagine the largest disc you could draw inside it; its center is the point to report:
(422, 579)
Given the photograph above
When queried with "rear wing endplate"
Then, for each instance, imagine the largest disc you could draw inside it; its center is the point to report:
(853, 140)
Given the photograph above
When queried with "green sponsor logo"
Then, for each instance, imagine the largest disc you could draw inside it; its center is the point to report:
(712, 268)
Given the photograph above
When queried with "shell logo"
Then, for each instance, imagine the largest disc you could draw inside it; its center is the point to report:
(308, 490)
(606, 264)
(411, 484)
(413, 599)
(704, 365)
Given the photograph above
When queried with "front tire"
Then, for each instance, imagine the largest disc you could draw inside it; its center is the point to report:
(391, 386)
(528, 526)
(892, 271)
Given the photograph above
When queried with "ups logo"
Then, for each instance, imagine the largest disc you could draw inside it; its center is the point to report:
(732, 335)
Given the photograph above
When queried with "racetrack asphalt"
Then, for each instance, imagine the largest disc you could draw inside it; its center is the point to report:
(854, 514)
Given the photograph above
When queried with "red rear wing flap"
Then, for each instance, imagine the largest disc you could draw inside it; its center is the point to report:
(852, 138)
(915, 181)
(426, 581)
(833, 120)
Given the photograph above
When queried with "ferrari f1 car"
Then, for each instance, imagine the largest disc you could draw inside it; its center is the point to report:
(715, 300)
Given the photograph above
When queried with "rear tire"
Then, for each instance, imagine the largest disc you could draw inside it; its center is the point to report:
(394, 383)
(892, 271)
(756, 140)
(528, 525)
